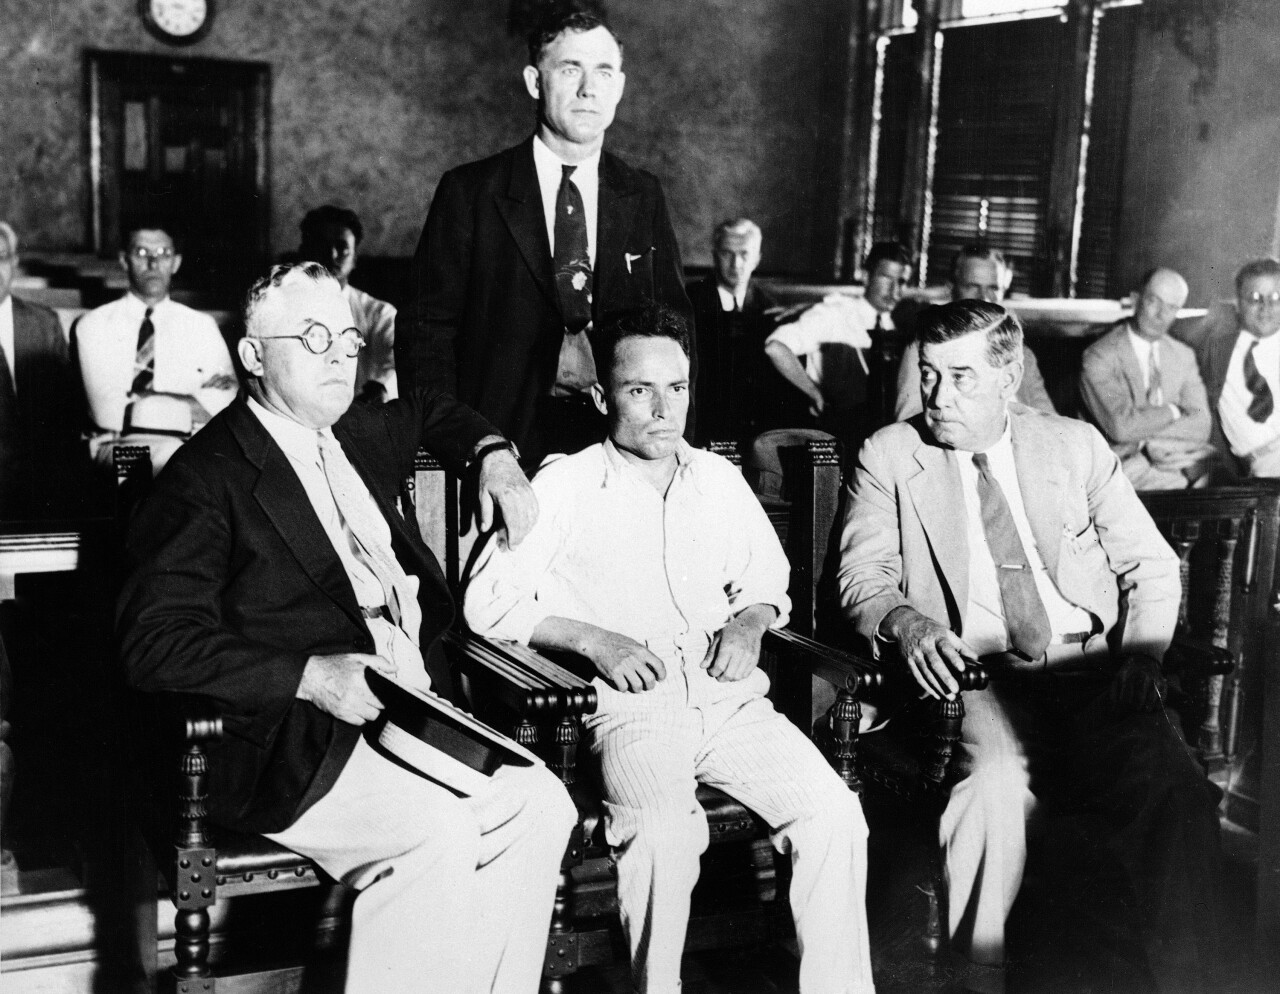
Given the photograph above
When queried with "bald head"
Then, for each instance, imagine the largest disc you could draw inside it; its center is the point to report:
(1162, 296)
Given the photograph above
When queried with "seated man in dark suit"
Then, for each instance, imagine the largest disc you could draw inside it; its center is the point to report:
(268, 569)
(981, 528)
(739, 394)
(1142, 388)
(42, 469)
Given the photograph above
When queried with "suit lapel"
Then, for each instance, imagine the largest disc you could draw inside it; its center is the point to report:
(936, 492)
(1042, 479)
(615, 215)
(521, 210)
(1130, 367)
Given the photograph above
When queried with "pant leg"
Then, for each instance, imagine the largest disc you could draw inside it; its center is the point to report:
(657, 829)
(759, 757)
(983, 831)
(430, 865)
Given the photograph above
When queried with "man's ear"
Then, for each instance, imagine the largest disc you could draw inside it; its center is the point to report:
(533, 82)
(124, 260)
(1010, 379)
(247, 349)
(177, 263)
(602, 403)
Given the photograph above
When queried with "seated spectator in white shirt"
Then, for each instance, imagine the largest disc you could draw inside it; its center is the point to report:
(154, 370)
(655, 562)
(1242, 370)
(331, 236)
(831, 338)
(1143, 390)
(978, 272)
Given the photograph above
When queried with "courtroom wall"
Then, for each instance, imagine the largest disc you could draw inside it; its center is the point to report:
(373, 99)
(1202, 176)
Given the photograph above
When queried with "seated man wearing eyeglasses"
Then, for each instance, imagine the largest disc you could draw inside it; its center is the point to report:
(270, 569)
(154, 370)
(1242, 370)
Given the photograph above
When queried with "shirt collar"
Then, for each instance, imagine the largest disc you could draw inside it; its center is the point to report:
(1001, 446)
(618, 468)
(136, 303)
(548, 163)
(298, 441)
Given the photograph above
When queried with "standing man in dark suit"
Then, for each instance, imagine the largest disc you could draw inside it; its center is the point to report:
(39, 450)
(269, 568)
(523, 253)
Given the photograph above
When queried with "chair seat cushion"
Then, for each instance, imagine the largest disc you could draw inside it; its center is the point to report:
(243, 856)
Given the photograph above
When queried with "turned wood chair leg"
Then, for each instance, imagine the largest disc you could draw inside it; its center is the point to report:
(842, 720)
(194, 880)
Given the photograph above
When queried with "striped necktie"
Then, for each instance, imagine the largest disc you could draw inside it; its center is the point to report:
(144, 363)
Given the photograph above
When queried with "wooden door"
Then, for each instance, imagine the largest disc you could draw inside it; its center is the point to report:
(182, 142)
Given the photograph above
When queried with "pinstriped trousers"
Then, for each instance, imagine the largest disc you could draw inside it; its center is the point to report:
(455, 892)
(654, 748)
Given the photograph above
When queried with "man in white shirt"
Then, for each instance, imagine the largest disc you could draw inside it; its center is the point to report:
(331, 236)
(985, 529)
(1242, 371)
(655, 562)
(154, 370)
(269, 569)
(1142, 388)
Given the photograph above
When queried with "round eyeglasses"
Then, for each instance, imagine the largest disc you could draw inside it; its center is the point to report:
(1257, 299)
(146, 255)
(319, 339)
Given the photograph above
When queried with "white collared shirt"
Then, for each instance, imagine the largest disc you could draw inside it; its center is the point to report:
(1143, 348)
(731, 300)
(190, 353)
(301, 446)
(376, 321)
(6, 338)
(1243, 433)
(984, 628)
(838, 319)
(610, 550)
(586, 178)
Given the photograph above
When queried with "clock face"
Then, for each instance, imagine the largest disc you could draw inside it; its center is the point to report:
(177, 20)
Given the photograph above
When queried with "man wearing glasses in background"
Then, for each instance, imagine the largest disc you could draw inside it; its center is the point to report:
(154, 370)
(1242, 371)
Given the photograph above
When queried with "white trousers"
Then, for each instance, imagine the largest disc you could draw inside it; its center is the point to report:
(983, 831)
(653, 750)
(455, 893)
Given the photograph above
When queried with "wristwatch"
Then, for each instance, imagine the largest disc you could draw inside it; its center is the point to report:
(492, 447)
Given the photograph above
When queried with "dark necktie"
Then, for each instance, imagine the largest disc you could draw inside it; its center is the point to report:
(8, 392)
(1024, 613)
(144, 363)
(1155, 389)
(572, 260)
(1263, 403)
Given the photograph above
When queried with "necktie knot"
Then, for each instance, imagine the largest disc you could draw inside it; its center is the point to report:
(566, 173)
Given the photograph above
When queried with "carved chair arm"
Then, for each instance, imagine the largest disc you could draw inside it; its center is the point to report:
(1190, 657)
(843, 670)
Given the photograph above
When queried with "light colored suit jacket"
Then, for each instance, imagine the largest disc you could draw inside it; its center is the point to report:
(904, 540)
(1112, 389)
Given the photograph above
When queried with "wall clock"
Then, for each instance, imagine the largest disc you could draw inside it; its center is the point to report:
(178, 22)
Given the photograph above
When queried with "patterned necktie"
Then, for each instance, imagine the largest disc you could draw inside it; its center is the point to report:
(144, 363)
(359, 514)
(1024, 613)
(1155, 389)
(1263, 403)
(572, 259)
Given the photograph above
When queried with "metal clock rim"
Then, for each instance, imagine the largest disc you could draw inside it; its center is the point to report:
(144, 11)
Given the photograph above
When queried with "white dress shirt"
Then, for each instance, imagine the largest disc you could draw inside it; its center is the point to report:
(1243, 433)
(6, 337)
(984, 628)
(609, 550)
(838, 319)
(586, 178)
(376, 321)
(731, 300)
(1143, 349)
(301, 446)
(190, 354)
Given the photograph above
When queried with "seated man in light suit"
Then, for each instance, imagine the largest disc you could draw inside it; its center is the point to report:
(154, 370)
(978, 272)
(1242, 370)
(982, 528)
(1143, 390)
(655, 562)
(269, 568)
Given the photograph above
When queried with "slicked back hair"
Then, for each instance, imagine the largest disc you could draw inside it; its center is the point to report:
(741, 227)
(262, 286)
(1258, 267)
(947, 322)
(559, 19)
(886, 252)
(653, 321)
(313, 224)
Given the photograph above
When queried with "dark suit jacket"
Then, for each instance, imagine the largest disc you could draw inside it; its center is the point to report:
(483, 320)
(40, 451)
(233, 584)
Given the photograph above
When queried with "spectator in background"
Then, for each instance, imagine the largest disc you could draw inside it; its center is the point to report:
(1143, 390)
(831, 338)
(331, 236)
(39, 432)
(978, 272)
(739, 392)
(1242, 370)
(154, 370)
